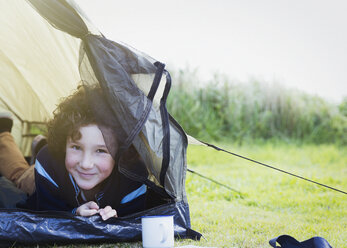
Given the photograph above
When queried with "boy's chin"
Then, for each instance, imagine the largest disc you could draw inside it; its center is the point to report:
(89, 187)
(86, 187)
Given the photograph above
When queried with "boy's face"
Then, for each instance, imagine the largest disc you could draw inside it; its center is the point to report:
(88, 159)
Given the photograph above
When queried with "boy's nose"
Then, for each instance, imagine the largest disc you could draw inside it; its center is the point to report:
(86, 162)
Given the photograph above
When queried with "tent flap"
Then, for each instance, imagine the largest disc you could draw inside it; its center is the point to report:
(62, 16)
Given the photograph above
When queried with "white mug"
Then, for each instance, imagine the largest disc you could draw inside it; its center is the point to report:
(157, 231)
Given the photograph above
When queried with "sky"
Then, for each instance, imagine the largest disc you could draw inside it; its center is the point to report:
(301, 44)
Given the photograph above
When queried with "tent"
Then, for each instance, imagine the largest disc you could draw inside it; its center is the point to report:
(48, 48)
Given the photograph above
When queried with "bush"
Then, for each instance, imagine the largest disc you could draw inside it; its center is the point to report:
(254, 111)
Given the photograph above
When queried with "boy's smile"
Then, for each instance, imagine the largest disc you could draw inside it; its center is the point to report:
(88, 159)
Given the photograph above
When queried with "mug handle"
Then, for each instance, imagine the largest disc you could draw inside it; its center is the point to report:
(164, 232)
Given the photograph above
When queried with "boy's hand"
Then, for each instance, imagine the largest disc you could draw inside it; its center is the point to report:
(88, 209)
(91, 208)
(107, 213)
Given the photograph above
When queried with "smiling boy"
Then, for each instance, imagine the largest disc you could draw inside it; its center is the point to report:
(76, 172)
(89, 162)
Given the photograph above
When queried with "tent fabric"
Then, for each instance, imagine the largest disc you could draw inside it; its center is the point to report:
(38, 66)
(136, 88)
(39, 63)
(61, 15)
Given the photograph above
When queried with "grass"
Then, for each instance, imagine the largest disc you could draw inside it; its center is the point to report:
(273, 203)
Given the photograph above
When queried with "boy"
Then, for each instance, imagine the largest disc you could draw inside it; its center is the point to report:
(76, 172)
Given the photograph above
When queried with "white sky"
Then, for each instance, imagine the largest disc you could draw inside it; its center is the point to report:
(299, 43)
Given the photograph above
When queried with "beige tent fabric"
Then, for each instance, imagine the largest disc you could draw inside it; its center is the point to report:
(38, 64)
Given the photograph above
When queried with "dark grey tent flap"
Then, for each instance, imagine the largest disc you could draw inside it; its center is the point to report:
(112, 66)
(62, 16)
(31, 228)
(160, 141)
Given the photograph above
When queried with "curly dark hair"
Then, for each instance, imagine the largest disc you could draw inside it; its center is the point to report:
(72, 113)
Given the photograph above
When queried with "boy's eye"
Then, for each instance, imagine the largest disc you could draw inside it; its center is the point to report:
(101, 151)
(75, 147)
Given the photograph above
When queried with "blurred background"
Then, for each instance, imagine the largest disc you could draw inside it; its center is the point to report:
(261, 69)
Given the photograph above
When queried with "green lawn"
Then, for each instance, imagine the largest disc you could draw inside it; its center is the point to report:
(273, 203)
